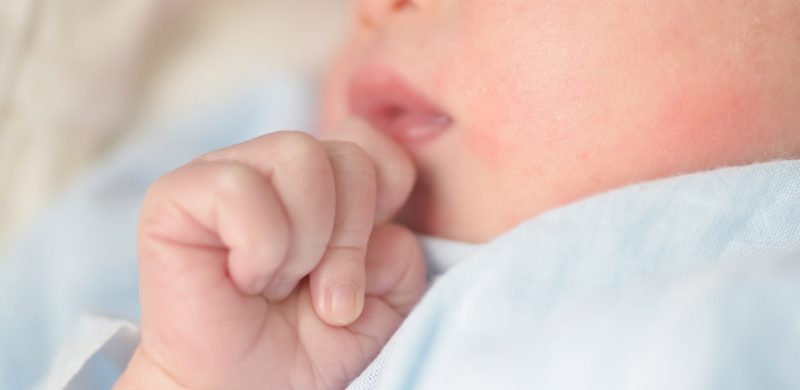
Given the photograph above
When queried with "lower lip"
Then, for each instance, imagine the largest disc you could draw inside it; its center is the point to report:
(388, 103)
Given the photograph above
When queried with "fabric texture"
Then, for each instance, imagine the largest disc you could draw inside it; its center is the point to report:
(94, 355)
(691, 282)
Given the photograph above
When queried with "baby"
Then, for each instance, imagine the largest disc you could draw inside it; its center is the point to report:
(288, 262)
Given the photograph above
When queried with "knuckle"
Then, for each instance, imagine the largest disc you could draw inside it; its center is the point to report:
(233, 179)
(302, 152)
(349, 252)
(353, 158)
(223, 154)
(349, 151)
(295, 144)
(346, 148)
(164, 185)
(351, 230)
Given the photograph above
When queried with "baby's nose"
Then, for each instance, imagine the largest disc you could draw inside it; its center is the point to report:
(374, 13)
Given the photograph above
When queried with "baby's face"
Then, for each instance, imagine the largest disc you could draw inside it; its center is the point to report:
(513, 107)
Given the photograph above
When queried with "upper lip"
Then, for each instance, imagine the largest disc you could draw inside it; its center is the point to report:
(388, 102)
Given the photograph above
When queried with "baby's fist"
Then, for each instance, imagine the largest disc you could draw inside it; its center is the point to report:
(262, 267)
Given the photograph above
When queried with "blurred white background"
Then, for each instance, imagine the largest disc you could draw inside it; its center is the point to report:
(78, 76)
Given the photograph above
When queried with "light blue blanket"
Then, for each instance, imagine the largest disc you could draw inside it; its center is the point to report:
(686, 283)
(691, 282)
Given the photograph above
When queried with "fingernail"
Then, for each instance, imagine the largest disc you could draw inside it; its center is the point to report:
(344, 304)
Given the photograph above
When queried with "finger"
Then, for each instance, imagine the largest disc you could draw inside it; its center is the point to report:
(395, 273)
(337, 283)
(300, 172)
(394, 168)
(395, 268)
(218, 206)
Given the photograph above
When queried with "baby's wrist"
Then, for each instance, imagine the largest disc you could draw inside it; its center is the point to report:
(143, 373)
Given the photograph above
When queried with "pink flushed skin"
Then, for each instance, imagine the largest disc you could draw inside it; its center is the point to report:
(555, 101)
(388, 103)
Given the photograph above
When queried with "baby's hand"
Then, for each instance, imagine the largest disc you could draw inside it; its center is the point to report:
(262, 265)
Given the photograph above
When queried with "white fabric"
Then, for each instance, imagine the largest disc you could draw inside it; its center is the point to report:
(98, 345)
(441, 255)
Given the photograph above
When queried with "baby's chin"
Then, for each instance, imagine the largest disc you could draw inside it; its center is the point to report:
(425, 215)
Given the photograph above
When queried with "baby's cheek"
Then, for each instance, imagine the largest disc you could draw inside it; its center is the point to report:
(507, 89)
(495, 143)
(707, 124)
(486, 146)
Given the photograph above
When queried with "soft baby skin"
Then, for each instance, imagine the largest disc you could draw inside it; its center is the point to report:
(552, 101)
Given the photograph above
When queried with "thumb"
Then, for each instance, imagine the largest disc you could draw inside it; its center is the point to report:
(395, 277)
(394, 168)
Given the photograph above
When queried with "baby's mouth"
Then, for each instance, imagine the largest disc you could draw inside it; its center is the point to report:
(388, 103)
